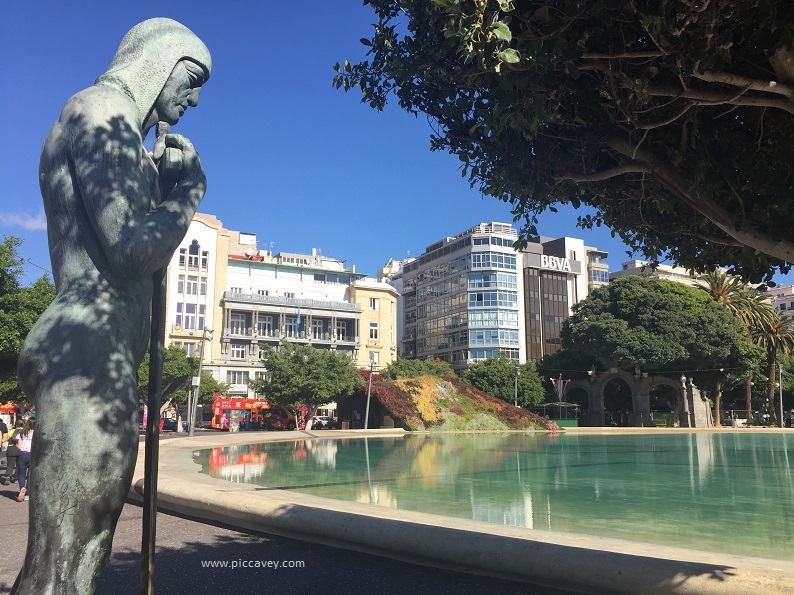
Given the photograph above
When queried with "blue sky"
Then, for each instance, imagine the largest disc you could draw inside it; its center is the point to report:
(287, 157)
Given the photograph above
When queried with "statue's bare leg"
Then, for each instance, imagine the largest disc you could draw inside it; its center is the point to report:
(93, 425)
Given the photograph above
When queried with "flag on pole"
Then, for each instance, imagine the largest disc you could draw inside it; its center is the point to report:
(298, 323)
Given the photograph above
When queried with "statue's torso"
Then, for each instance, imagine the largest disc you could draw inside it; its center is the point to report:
(84, 275)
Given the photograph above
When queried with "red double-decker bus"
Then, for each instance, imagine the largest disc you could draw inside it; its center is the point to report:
(230, 413)
(226, 409)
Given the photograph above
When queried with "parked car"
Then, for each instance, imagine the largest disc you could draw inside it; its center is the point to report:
(278, 418)
(169, 425)
(324, 422)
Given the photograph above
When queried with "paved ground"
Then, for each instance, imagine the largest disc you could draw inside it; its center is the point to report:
(182, 545)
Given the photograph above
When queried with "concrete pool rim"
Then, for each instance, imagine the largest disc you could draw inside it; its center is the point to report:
(578, 562)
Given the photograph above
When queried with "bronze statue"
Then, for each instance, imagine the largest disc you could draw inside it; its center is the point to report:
(110, 227)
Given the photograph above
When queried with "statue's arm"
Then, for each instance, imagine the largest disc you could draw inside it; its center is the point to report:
(107, 152)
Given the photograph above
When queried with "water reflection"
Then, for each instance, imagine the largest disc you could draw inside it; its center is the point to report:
(718, 492)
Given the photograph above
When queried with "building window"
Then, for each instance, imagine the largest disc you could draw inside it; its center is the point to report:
(373, 330)
(190, 317)
(373, 303)
(190, 348)
(493, 260)
(341, 331)
(264, 326)
(179, 314)
(193, 255)
(182, 257)
(262, 292)
(237, 377)
(237, 324)
(201, 317)
(289, 294)
(235, 289)
(238, 350)
(600, 276)
(202, 286)
(492, 299)
(374, 357)
(317, 329)
(180, 284)
(204, 260)
(291, 326)
(192, 285)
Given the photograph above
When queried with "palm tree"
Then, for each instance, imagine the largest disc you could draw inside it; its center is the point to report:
(746, 304)
(775, 336)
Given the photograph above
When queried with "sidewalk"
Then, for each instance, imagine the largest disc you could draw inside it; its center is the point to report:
(183, 544)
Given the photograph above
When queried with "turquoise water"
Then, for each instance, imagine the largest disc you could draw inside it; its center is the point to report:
(731, 493)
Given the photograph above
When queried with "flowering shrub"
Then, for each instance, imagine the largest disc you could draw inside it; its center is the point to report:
(414, 423)
(421, 390)
(553, 426)
(426, 402)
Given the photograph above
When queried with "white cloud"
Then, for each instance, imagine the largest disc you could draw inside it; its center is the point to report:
(23, 220)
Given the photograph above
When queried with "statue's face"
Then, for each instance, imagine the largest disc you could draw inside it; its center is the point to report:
(181, 90)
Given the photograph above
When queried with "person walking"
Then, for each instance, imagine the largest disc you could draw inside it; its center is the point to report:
(24, 439)
(4, 439)
(12, 454)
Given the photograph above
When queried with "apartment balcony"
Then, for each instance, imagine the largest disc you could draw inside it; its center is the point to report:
(278, 301)
(301, 337)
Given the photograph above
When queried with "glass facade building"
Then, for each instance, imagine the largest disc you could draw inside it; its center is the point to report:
(461, 298)
(472, 296)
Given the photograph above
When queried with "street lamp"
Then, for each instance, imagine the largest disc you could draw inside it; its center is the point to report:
(780, 379)
(515, 388)
(369, 388)
(191, 412)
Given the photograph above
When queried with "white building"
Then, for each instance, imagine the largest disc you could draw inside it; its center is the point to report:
(660, 271)
(219, 280)
(782, 298)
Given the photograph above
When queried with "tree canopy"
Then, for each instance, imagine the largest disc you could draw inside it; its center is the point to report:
(497, 376)
(416, 367)
(656, 326)
(302, 375)
(672, 120)
(178, 370)
(20, 308)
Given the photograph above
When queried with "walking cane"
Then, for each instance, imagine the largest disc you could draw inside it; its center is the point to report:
(156, 355)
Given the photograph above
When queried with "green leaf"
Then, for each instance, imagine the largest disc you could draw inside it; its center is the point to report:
(501, 31)
(510, 56)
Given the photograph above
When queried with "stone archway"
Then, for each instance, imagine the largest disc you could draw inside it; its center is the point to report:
(691, 408)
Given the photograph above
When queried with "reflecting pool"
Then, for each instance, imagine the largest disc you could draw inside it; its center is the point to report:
(731, 493)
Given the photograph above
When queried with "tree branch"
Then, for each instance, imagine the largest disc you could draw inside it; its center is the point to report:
(712, 210)
(669, 120)
(743, 82)
(711, 97)
(623, 56)
(600, 176)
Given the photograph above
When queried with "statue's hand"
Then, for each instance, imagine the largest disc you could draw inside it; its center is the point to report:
(182, 165)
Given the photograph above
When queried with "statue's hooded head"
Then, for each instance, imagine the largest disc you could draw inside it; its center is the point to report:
(146, 57)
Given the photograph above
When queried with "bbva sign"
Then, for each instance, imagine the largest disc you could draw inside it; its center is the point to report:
(555, 262)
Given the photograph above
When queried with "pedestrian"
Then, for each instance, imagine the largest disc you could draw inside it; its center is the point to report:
(12, 454)
(24, 439)
(3, 438)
